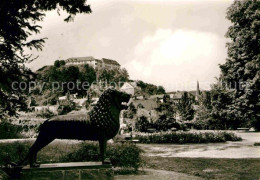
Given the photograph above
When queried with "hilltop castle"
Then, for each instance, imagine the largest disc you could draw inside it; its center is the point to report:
(95, 63)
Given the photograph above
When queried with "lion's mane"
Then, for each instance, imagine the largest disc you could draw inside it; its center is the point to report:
(102, 115)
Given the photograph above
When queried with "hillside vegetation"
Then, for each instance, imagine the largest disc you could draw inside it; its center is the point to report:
(59, 80)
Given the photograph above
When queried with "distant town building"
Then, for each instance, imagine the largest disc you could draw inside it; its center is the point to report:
(40, 109)
(80, 102)
(175, 96)
(67, 97)
(149, 104)
(130, 88)
(197, 94)
(157, 97)
(93, 62)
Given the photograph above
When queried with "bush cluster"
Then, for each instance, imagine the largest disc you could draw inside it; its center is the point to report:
(9, 131)
(45, 114)
(12, 152)
(188, 137)
(86, 152)
(162, 124)
(126, 156)
(142, 124)
(66, 107)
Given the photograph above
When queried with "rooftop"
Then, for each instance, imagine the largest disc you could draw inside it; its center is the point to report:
(148, 104)
(133, 84)
(160, 96)
(98, 60)
(91, 58)
(110, 61)
(88, 58)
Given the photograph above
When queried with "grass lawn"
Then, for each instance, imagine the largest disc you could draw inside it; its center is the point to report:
(208, 168)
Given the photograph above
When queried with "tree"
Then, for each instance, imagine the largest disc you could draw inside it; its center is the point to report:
(166, 114)
(184, 107)
(160, 90)
(147, 88)
(164, 123)
(66, 107)
(241, 70)
(224, 113)
(123, 75)
(10, 130)
(107, 75)
(206, 100)
(88, 74)
(166, 98)
(18, 22)
(57, 63)
(62, 62)
(114, 77)
(166, 107)
(142, 124)
(131, 112)
(203, 112)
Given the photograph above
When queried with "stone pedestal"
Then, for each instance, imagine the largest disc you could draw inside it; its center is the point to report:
(69, 171)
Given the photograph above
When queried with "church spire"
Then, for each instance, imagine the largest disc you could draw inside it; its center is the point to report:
(197, 91)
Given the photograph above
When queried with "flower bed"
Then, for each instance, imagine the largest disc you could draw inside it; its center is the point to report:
(188, 137)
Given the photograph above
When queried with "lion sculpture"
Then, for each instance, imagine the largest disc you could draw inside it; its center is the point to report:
(100, 124)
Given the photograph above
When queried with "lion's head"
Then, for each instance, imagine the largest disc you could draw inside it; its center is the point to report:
(114, 97)
(105, 114)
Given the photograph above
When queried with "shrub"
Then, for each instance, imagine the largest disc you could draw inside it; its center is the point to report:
(164, 123)
(46, 114)
(87, 104)
(13, 152)
(228, 136)
(201, 123)
(9, 131)
(53, 101)
(62, 62)
(66, 107)
(257, 144)
(86, 152)
(125, 156)
(188, 137)
(142, 124)
(131, 112)
(57, 63)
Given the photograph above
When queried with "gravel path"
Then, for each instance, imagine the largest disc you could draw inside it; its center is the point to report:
(152, 174)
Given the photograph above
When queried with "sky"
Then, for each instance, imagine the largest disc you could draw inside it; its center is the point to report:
(173, 43)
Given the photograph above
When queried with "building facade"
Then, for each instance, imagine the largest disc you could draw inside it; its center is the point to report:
(93, 62)
(130, 88)
(110, 64)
